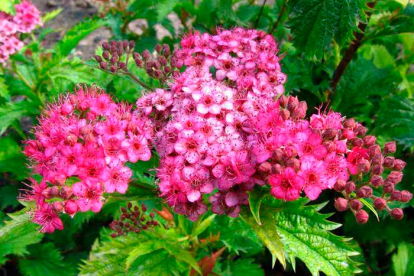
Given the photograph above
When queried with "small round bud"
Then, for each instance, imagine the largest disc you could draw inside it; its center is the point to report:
(293, 163)
(363, 166)
(131, 44)
(349, 123)
(66, 192)
(357, 142)
(361, 216)
(97, 58)
(167, 69)
(377, 159)
(121, 65)
(395, 177)
(144, 207)
(66, 108)
(158, 48)
(285, 114)
(54, 191)
(103, 65)
(390, 147)
(125, 44)
(376, 181)
(330, 133)
(355, 204)
(157, 74)
(396, 195)
(113, 68)
(113, 235)
(152, 215)
(139, 62)
(71, 207)
(388, 186)
(105, 55)
(277, 169)
(292, 103)
(264, 167)
(166, 50)
(380, 203)
(399, 164)
(364, 191)
(374, 150)
(57, 206)
(377, 169)
(283, 101)
(341, 204)
(406, 196)
(339, 185)
(350, 187)
(397, 213)
(389, 162)
(105, 45)
(123, 210)
(361, 130)
(369, 140)
(146, 54)
(129, 205)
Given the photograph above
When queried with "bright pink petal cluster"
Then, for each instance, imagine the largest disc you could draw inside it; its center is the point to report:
(25, 20)
(80, 149)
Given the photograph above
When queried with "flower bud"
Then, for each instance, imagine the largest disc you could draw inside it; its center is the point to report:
(265, 167)
(283, 101)
(357, 142)
(293, 163)
(158, 48)
(71, 207)
(131, 44)
(349, 123)
(167, 69)
(355, 204)
(389, 162)
(157, 74)
(329, 145)
(374, 150)
(103, 65)
(340, 185)
(397, 213)
(406, 196)
(399, 164)
(97, 58)
(350, 187)
(390, 147)
(66, 108)
(388, 186)
(361, 216)
(166, 49)
(105, 45)
(331, 133)
(54, 191)
(105, 55)
(364, 191)
(57, 206)
(369, 140)
(361, 130)
(395, 177)
(277, 169)
(380, 203)
(66, 192)
(377, 159)
(125, 44)
(176, 73)
(378, 169)
(376, 181)
(341, 204)
(121, 65)
(139, 62)
(363, 166)
(396, 195)
(292, 103)
(285, 114)
(146, 54)
(113, 69)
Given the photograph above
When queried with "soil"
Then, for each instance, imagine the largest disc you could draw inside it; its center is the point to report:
(73, 12)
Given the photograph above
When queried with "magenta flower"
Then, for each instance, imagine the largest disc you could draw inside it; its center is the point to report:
(315, 180)
(191, 146)
(118, 178)
(47, 218)
(287, 185)
(89, 196)
(137, 148)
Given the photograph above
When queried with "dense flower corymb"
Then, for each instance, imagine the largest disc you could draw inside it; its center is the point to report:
(80, 149)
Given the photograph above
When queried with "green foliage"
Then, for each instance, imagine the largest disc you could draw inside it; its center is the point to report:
(7, 6)
(44, 259)
(11, 159)
(403, 264)
(315, 23)
(17, 234)
(241, 267)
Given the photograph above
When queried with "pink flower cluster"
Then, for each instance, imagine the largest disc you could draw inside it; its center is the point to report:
(80, 149)
(204, 121)
(25, 20)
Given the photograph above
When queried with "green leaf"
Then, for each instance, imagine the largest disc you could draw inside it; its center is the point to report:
(267, 233)
(11, 158)
(315, 23)
(369, 205)
(402, 261)
(379, 55)
(305, 234)
(8, 196)
(4, 90)
(203, 225)
(158, 263)
(164, 8)
(44, 259)
(396, 120)
(241, 267)
(51, 15)
(7, 6)
(142, 249)
(17, 234)
(255, 200)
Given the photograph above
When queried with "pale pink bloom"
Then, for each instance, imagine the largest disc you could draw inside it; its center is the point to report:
(314, 176)
(118, 179)
(89, 196)
(137, 148)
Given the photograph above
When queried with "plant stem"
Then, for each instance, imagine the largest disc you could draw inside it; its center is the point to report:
(132, 76)
(260, 14)
(349, 53)
(279, 18)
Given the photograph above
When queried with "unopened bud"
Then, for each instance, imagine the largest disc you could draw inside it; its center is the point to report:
(285, 114)
(395, 177)
(292, 103)
(146, 54)
(357, 142)
(364, 166)
(139, 62)
(341, 204)
(330, 133)
(54, 191)
(349, 123)
(113, 68)
(98, 58)
(265, 167)
(378, 169)
(399, 164)
(131, 44)
(361, 216)
(66, 108)
(374, 150)
(390, 147)
(158, 48)
(376, 181)
(57, 206)
(283, 101)
(406, 196)
(369, 140)
(105, 55)
(364, 191)
(103, 65)
(339, 185)
(350, 187)
(355, 204)
(361, 130)
(105, 45)
(66, 192)
(380, 203)
(397, 213)
(277, 169)
(293, 163)
(388, 186)
(121, 65)
(396, 195)
(71, 207)
(389, 162)
(166, 50)
(377, 159)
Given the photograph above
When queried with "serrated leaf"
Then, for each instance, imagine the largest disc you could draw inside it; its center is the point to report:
(304, 233)
(51, 15)
(242, 267)
(203, 225)
(402, 261)
(44, 259)
(8, 196)
(4, 90)
(396, 120)
(11, 158)
(17, 234)
(255, 200)
(267, 233)
(315, 23)
(142, 249)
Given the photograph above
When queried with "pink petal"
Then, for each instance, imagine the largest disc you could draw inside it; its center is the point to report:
(193, 196)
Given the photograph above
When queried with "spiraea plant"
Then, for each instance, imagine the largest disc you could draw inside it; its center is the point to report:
(227, 140)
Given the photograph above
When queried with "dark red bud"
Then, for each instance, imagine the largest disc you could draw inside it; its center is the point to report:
(103, 65)
(57, 206)
(377, 181)
(121, 65)
(374, 150)
(361, 216)
(395, 177)
(146, 54)
(350, 187)
(105, 45)
(399, 164)
(113, 68)
(369, 140)
(361, 130)
(105, 55)
(277, 169)
(283, 101)
(390, 147)
(388, 186)
(265, 167)
(378, 169)
(139, 62)
(66, 192)
(364, 191)
(397, 213)
(357, 142)
(355, 204)
(144, 207)
(406, 196)
(363, 166)
(396, 195)
(158, 48)
(125, 44)
(129, 205)
(131, 44)
(389, 162)
(350, 123)
(292, 103)
(285, 114)
(98, 58)
(339, 185)
(378, 159)
(71, 207)
(341, 204)
(380, 203)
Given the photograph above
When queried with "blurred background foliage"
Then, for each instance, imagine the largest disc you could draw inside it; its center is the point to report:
(352, 56)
